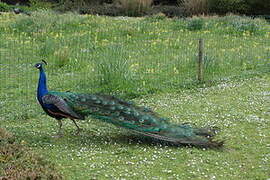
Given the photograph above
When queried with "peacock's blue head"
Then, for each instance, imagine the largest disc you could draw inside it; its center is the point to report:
(39, 65)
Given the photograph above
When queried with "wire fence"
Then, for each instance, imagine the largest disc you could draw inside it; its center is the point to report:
(130, 60)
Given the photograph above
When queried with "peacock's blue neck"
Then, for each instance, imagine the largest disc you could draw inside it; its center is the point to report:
(42, 85)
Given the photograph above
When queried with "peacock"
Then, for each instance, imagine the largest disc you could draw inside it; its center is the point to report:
(142, 120)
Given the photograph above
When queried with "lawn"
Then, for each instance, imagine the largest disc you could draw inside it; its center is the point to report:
(130, 56)
(240, 109)
(152, 61)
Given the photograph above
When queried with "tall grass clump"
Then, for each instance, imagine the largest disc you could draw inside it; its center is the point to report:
(62, 56)
(240, 25)
(246, 25)
(156, 17)
(195, 24)
(68, 5)
(135, 7)
(212, 67)
(55, 51)
(39, 4)
(112, 71)
(194, 7)
(44, 21)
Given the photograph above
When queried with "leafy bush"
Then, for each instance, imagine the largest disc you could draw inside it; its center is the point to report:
(195, 7)
(244, 26)
(169, 11)
(69, 5)
(156, 17)
(4, 7)
(46, 21)
(195, 24)
(135, 7)
(40, 4)
(258, 7)
(226, 6)
(105, 9)
(240, 24)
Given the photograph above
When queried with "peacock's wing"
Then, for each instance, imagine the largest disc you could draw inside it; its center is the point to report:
(107, 108)
(63, 108)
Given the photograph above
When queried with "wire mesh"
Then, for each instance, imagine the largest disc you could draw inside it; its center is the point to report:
(128, 56)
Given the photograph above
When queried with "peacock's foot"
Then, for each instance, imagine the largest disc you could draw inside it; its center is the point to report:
(60, 130)
(77, 133)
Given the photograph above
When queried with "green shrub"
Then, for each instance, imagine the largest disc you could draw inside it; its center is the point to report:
(69, 5)
(40, 4)
(45, 21)
(156, 17)
(135, 7)
(240, 24)
(195, 24)
(261, 7)
(195, 7)
(244, 26)
(4, 7)
(105, 9)
(169, 11)
(226, 6)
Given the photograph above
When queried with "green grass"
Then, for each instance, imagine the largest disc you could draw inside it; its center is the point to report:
(239, 108)
(152, 60)
(138, 56)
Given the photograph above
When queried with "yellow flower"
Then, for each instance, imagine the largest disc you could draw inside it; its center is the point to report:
(175, 70)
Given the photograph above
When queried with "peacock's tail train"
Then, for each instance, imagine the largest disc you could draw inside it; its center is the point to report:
(127, 115)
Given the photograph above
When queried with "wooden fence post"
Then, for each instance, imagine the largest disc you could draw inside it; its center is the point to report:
(200, 60)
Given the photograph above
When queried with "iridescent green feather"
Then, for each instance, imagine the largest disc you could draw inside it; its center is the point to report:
(139, 119)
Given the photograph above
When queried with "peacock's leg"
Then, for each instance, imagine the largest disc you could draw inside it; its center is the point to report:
(59, 134)
(78, 128)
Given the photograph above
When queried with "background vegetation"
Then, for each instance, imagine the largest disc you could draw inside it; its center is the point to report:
(119, 55)
(151, 60)
(148, 7)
